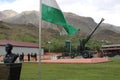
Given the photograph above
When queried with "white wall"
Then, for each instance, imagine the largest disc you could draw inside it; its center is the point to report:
(25, 50)
(2, 50)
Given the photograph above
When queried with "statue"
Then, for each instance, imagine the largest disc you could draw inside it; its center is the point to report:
(9, 57)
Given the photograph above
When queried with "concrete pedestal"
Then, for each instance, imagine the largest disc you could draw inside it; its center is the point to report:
(10, 71)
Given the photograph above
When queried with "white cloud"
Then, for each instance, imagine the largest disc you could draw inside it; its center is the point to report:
(21, 5)
(108, 9)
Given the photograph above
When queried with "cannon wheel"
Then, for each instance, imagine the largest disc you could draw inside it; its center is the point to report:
(85, 54)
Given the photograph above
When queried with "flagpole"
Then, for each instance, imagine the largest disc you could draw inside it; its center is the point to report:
(40, 25)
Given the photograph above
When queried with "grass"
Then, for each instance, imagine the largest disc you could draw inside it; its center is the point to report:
(101, 71)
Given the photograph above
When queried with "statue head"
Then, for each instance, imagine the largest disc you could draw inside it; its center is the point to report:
(8, 48)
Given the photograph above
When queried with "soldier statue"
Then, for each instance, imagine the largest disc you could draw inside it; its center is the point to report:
(9, 57)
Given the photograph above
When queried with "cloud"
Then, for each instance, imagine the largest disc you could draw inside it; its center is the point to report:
(8, 1)
(108, 9)
(20, 5)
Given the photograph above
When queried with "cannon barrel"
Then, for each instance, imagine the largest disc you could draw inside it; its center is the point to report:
(89, 36)
(84, 41)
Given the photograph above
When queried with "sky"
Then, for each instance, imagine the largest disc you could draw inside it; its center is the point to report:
(97, 9)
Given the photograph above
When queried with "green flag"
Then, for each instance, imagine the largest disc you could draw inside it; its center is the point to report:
(52, 13)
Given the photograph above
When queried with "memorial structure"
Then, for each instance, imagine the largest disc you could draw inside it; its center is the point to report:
(10, 70)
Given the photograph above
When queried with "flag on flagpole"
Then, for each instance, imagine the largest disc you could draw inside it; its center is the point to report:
(52, 13)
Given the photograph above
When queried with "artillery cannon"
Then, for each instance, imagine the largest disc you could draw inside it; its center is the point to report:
(82, 48)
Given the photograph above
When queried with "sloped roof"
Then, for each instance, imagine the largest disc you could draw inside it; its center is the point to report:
(112, 45)
(19, 44)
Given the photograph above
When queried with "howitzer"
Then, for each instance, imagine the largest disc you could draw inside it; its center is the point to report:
(82, 49)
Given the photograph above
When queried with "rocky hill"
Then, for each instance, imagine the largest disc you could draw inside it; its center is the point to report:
(7, 14)
(110, 27)
(24, 32)
(18, 32)
(108, 36)
(85, 24)
(24, 18)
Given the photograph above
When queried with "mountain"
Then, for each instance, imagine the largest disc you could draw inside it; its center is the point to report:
(24, 18)
(32, 17)
(110, 27)
(18, 32)
(24, 32)
(108, 35)
(85, 24)
(7, 14)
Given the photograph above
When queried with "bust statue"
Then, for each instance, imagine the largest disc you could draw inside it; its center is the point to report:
(9, 57)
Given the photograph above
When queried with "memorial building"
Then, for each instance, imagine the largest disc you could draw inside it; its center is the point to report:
(20, 47)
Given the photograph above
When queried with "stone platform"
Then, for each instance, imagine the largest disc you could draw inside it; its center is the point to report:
(10, 71)
(82, 60)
